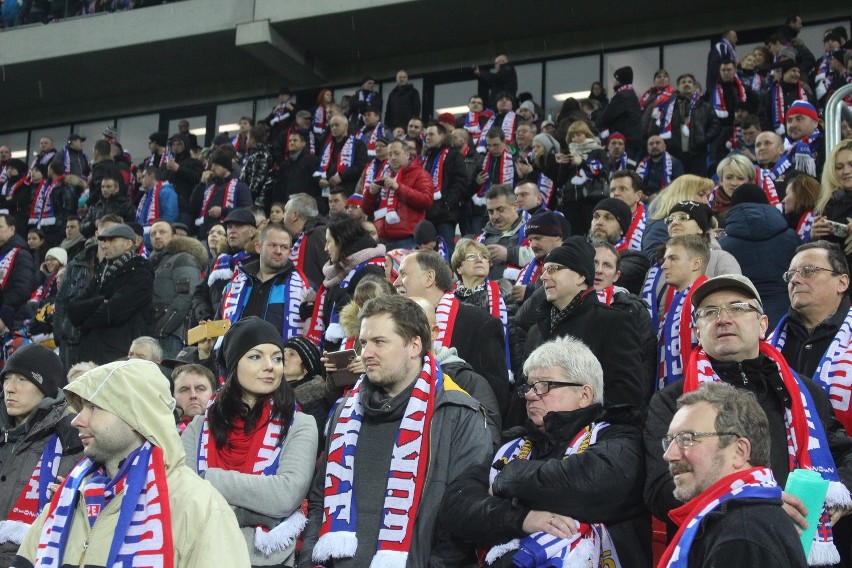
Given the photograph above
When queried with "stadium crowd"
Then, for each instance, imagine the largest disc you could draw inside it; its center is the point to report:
(618, 338)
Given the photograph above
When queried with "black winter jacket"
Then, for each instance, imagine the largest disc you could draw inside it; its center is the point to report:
(22, 278)
(623, 115)
(446, 209)
(177, 272)
(403, 105)
(117, 204)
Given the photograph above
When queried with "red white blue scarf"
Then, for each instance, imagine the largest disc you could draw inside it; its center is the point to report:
(42, 210)
(655, 92)
(800, 154)
(297, 251)
(546, 187)
(376, 169)
(766, 181)
(754, 483)
(632, 240)
(834, 369)
(370, 140)
(499, 171)
(229, 199)
(406, 479)
(807, 445)
(472, 123)
(344, 159)
(805, 224)
(606, 295)
(148, 210)
(34, 496)
(289, 293)
(497, 309)
(281, 112)
(153, 161)
(143, 534)
(6, 264)
(663, 112)
(445, 319)
(530, 273)
(677, 336)
(264, 455)
(649, 294)
(319, 120)
(590, 547)
(47, 290)
(668, 169)
(436, 172)
(719, 105)
(388, 208)
(779, 107)
(225, 265)
(686, 127)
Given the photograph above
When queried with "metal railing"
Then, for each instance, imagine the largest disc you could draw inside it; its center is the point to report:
(832, 116)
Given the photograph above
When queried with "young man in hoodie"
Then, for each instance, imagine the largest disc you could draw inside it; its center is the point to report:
(38, 441)
(132, 498)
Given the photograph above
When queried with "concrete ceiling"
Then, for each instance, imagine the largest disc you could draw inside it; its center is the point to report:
(339, 47)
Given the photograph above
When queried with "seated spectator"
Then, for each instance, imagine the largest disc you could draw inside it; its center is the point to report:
(37, 245)
(48, 277)
(835, 198)
(571, 474)
(193, 386)
(758, 237)
(733, 511)
(305, 373)
(799, 202)
(147, 349)
(504, 235)
(583, 168)
(17, 267)
(78, 369)
(733, 171)
(686, 188)
(659, 168)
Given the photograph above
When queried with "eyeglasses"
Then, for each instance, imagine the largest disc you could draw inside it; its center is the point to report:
(806, 272)
(553, 268)
(680, 217)
(734, 310)
(474, 257)
(541, 388)
(686, 439)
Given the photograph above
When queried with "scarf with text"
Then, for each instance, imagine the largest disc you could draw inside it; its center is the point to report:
(644, 170)
(591, 546)
(388, 208)
(546, 188)
(143, 534)
(764, 179)
(229, 199)
(779, 107)
(481, 142)
(719, 105)
(319, 120)
(42, 210)
(370, 139)
(317, 330)
(257, 453)
(6, 265)
(148, 210)
(754, 483)
(288, 293)
(618, 165)
(445, 319)
(677, 336)
(500, 171)
(632, 240)
(834, 371)
(406, 478)
(34, 496)
(663, 112)
(344, 159)
(376, 169)
(225, 265)
(473, 124)
(297, 251)
(807, 444)
(436, 172)
(805, 224)
(649, 293)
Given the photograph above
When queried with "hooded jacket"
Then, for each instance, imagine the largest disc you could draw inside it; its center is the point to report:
(177, 271)
(758, 236)
(204, 530)
(21, 448)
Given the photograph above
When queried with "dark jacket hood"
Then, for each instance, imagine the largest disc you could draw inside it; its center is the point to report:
(755, 222)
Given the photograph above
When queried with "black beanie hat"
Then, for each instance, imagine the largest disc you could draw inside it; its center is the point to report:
(244, 335)
(577, 254)
(700, 212)
(545, 223)
(619, 209)
(749, 193)
(222, 159)
(39, 365)
(309, 353)
(159, 138)
(624, 75)
(425, 232)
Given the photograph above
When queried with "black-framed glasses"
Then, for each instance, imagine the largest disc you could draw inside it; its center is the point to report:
(677, 217)
(806, 271)
(735, 309)
(553, 268)
(686, 439)
(541, 388)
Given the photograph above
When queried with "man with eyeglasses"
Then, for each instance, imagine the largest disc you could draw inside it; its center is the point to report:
(570, 306)
(815, 335)
(271, 287)
(555, 476)
(717, 449)
(505, 234)
(802, 429)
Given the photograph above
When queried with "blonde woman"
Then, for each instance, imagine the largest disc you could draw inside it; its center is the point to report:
(687, 187)
(835, 199)
(733, 171)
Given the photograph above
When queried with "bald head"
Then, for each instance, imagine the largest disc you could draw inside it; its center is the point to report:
(768, 147)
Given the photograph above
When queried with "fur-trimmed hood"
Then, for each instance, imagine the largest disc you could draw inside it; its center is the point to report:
(189, 245)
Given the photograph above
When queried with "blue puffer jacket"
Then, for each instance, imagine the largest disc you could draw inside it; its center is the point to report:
(763, 243)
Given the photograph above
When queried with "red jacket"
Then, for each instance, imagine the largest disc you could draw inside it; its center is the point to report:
(415, 198)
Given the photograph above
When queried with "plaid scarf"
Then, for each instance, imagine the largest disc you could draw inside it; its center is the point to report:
(591, 546)
(111, 267)
(806, 441)
(34, 496)
(834, 367)
(754, 483)
(257, 453)
(143, 534)
(406, 477)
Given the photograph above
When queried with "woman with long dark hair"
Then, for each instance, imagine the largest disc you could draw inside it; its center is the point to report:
(253, 445)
